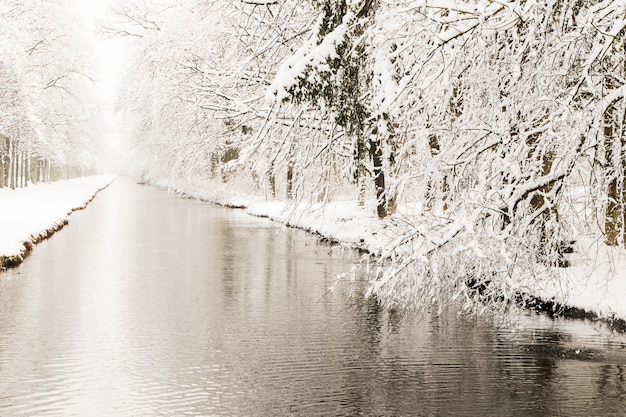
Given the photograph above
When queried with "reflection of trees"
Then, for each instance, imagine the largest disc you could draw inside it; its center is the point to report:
(546, 369)
(394, 321)
(611, 385)
(384, 374)
(461, 365)
(269, 259)
(372, 325)
(529, 370)
(228, 260)
(464, 366)
(367, 326)
(250, 260)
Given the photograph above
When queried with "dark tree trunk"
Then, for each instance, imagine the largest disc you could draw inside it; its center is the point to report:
(613, 222)
(376, 153)
(290, 180)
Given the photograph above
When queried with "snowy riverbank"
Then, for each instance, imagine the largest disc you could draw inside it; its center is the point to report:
(594, 283)
(29, 215)
(592, 287)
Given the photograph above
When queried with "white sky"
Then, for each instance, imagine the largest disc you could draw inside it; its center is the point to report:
(109, 51)
(110, 54)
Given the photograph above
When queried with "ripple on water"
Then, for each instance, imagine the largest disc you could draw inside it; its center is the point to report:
(181, 308)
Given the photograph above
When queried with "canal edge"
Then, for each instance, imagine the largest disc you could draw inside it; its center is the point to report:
(8, 262)
(529, 302)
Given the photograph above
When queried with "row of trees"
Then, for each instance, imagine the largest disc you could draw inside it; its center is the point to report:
(497, 126)
(194, 93)
(49, 118)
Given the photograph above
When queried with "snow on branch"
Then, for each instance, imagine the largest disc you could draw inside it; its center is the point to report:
(311, 55)
(608, 100)
(260, 2)
(462, 18)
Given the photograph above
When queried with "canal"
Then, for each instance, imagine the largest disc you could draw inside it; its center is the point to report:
(151, 305)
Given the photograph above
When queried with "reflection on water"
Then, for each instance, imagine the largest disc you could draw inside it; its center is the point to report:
(151, 305)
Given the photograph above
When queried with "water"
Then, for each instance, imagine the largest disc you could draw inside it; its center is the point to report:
(147, 304)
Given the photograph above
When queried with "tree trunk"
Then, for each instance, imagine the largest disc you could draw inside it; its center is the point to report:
(47, 173)
(32, 170)
(13, 167)
(622, 167)
(290, 180)
(376, 154)
(24, 169)
(613, 223)
(272, 183)
(361, 184)
(538, 200)
(433, 144)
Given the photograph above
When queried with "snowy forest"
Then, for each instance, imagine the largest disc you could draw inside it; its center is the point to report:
(49, 120)
(488, 134)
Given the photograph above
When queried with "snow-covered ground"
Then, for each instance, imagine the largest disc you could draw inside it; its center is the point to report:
(595, 281)
(30, 214)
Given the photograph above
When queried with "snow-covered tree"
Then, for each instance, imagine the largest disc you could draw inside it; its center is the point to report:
(207, 66)
(48, 115)
(508, 102)
(488, 122)
(334, 70)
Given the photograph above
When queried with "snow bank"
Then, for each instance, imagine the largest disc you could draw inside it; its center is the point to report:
(342, 221)
(28, 215)
(595, 281)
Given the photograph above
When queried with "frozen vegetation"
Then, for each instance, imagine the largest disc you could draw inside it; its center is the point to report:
(28, 215)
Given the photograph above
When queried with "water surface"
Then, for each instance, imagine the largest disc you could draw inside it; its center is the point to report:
(148, 304)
